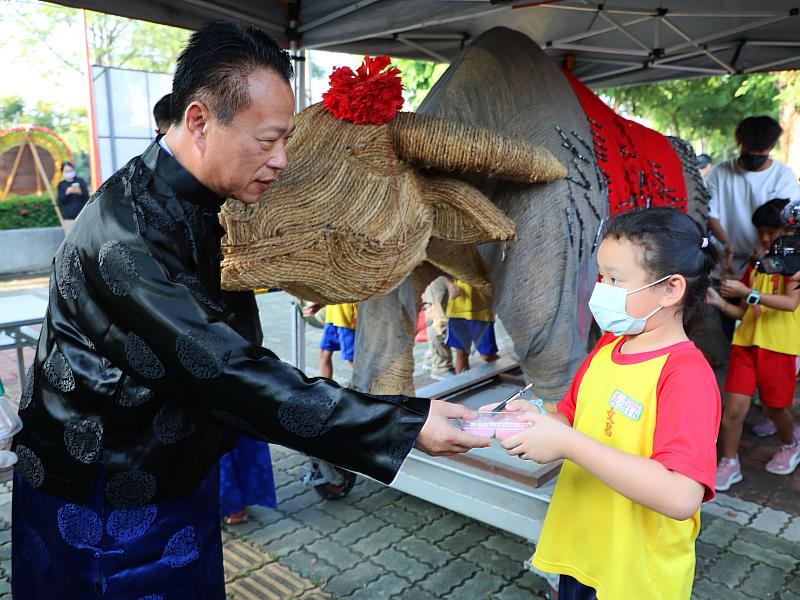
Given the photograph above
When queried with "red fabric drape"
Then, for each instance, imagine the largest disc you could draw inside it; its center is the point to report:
(639, 164)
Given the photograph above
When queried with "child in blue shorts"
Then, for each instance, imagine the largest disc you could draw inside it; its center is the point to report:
(470, 320)
(339, 335)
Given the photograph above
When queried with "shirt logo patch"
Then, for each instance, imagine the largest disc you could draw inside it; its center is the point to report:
(625, 405)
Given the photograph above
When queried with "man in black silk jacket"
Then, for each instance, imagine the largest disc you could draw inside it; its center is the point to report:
(140, 383)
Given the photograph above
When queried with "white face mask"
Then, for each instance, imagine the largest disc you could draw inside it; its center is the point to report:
(69, 174)
(608, 305)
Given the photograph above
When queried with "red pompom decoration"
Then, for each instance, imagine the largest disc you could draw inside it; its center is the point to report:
(366, 96)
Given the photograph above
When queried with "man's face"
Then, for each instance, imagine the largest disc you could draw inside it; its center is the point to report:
(242, 159)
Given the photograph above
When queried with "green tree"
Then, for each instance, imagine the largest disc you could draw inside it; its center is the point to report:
(11, 111)
(114, 41)
(704, 110)
(50, 40)
(419, 77)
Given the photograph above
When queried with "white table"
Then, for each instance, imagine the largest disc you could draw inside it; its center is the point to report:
(17, 314)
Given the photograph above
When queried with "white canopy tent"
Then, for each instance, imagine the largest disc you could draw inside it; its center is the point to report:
(604, 44)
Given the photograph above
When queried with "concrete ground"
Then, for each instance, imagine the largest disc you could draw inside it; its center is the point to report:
(379, 543)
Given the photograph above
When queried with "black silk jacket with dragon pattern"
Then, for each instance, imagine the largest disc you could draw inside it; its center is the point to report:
(141, 380)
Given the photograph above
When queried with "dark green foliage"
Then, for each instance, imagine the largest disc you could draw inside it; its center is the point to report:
(704, 109)
(20, 212)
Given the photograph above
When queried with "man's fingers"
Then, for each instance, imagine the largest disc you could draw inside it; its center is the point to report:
(468, 441)
(451, 411)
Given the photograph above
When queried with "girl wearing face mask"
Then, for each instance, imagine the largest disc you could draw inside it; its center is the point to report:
(72, 195)
(638, 426)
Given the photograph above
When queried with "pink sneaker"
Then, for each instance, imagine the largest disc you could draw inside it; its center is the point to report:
(728, 472)
(765, 427)
(785, 460)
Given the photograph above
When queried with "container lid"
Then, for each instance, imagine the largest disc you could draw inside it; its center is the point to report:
(10, 423)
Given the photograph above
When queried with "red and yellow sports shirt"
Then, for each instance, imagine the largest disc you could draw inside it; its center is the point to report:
(472, 304)
(663, 405)
(341, 315)
(768, 328)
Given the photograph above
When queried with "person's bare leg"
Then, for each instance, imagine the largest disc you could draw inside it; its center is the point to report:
(784, 423)
(462, 361)
(326, 363)
(490, 358)
(733, 415)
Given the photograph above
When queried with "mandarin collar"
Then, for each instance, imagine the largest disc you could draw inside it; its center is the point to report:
(179, 179)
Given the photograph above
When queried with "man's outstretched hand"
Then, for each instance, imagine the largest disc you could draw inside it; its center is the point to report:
(439, 437)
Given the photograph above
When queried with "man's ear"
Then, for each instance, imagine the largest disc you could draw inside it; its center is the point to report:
(195, 119)
(675, 292)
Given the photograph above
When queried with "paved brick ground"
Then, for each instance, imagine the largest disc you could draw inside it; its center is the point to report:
(379, 543)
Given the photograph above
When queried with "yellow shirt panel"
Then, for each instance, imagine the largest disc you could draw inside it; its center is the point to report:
(598, 536)
(341, 315)
(767, 328)
(472, 304)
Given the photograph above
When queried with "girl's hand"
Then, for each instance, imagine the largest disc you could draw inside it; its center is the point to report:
(515, 406)
(453, 291)
(311, 310)
(731, 288)
(546, 440)
(713, 298)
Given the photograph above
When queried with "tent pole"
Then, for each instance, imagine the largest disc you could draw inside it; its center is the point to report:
(40, 170)
(94, 159)
(12, 175)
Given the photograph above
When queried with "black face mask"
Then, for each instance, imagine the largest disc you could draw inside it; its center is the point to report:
(753, 162)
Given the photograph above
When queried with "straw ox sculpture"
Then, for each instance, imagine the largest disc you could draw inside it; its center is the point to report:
(498, 179)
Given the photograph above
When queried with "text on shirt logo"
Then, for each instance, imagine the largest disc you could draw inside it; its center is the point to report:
(627, 406)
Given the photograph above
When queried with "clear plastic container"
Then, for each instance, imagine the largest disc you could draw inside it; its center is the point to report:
(10, 425)
(488, 424)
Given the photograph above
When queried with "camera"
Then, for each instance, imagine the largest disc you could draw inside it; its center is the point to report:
(784, 255)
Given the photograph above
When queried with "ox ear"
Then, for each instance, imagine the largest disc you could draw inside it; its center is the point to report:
(451, 146)
(460, 261)
(462, 214)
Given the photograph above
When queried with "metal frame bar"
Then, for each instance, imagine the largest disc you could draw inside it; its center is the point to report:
(671, 67)
(623, 31)
(335, 15)
(608, 74)
(692, 54)
(409, 27)
(607, 61)
(774, 44)
(727, 32)
(652, 13)
(688, 38)
(773, 63)
(601, 50)
(443, 37)
(432, 53)
(214, 7)
(584, 35)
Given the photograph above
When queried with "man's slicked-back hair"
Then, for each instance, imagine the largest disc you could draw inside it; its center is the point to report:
(214, 66)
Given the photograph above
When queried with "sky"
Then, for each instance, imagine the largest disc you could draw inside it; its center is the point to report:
(25, 73)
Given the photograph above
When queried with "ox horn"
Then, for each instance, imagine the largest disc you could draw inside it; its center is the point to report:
(451, 146)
